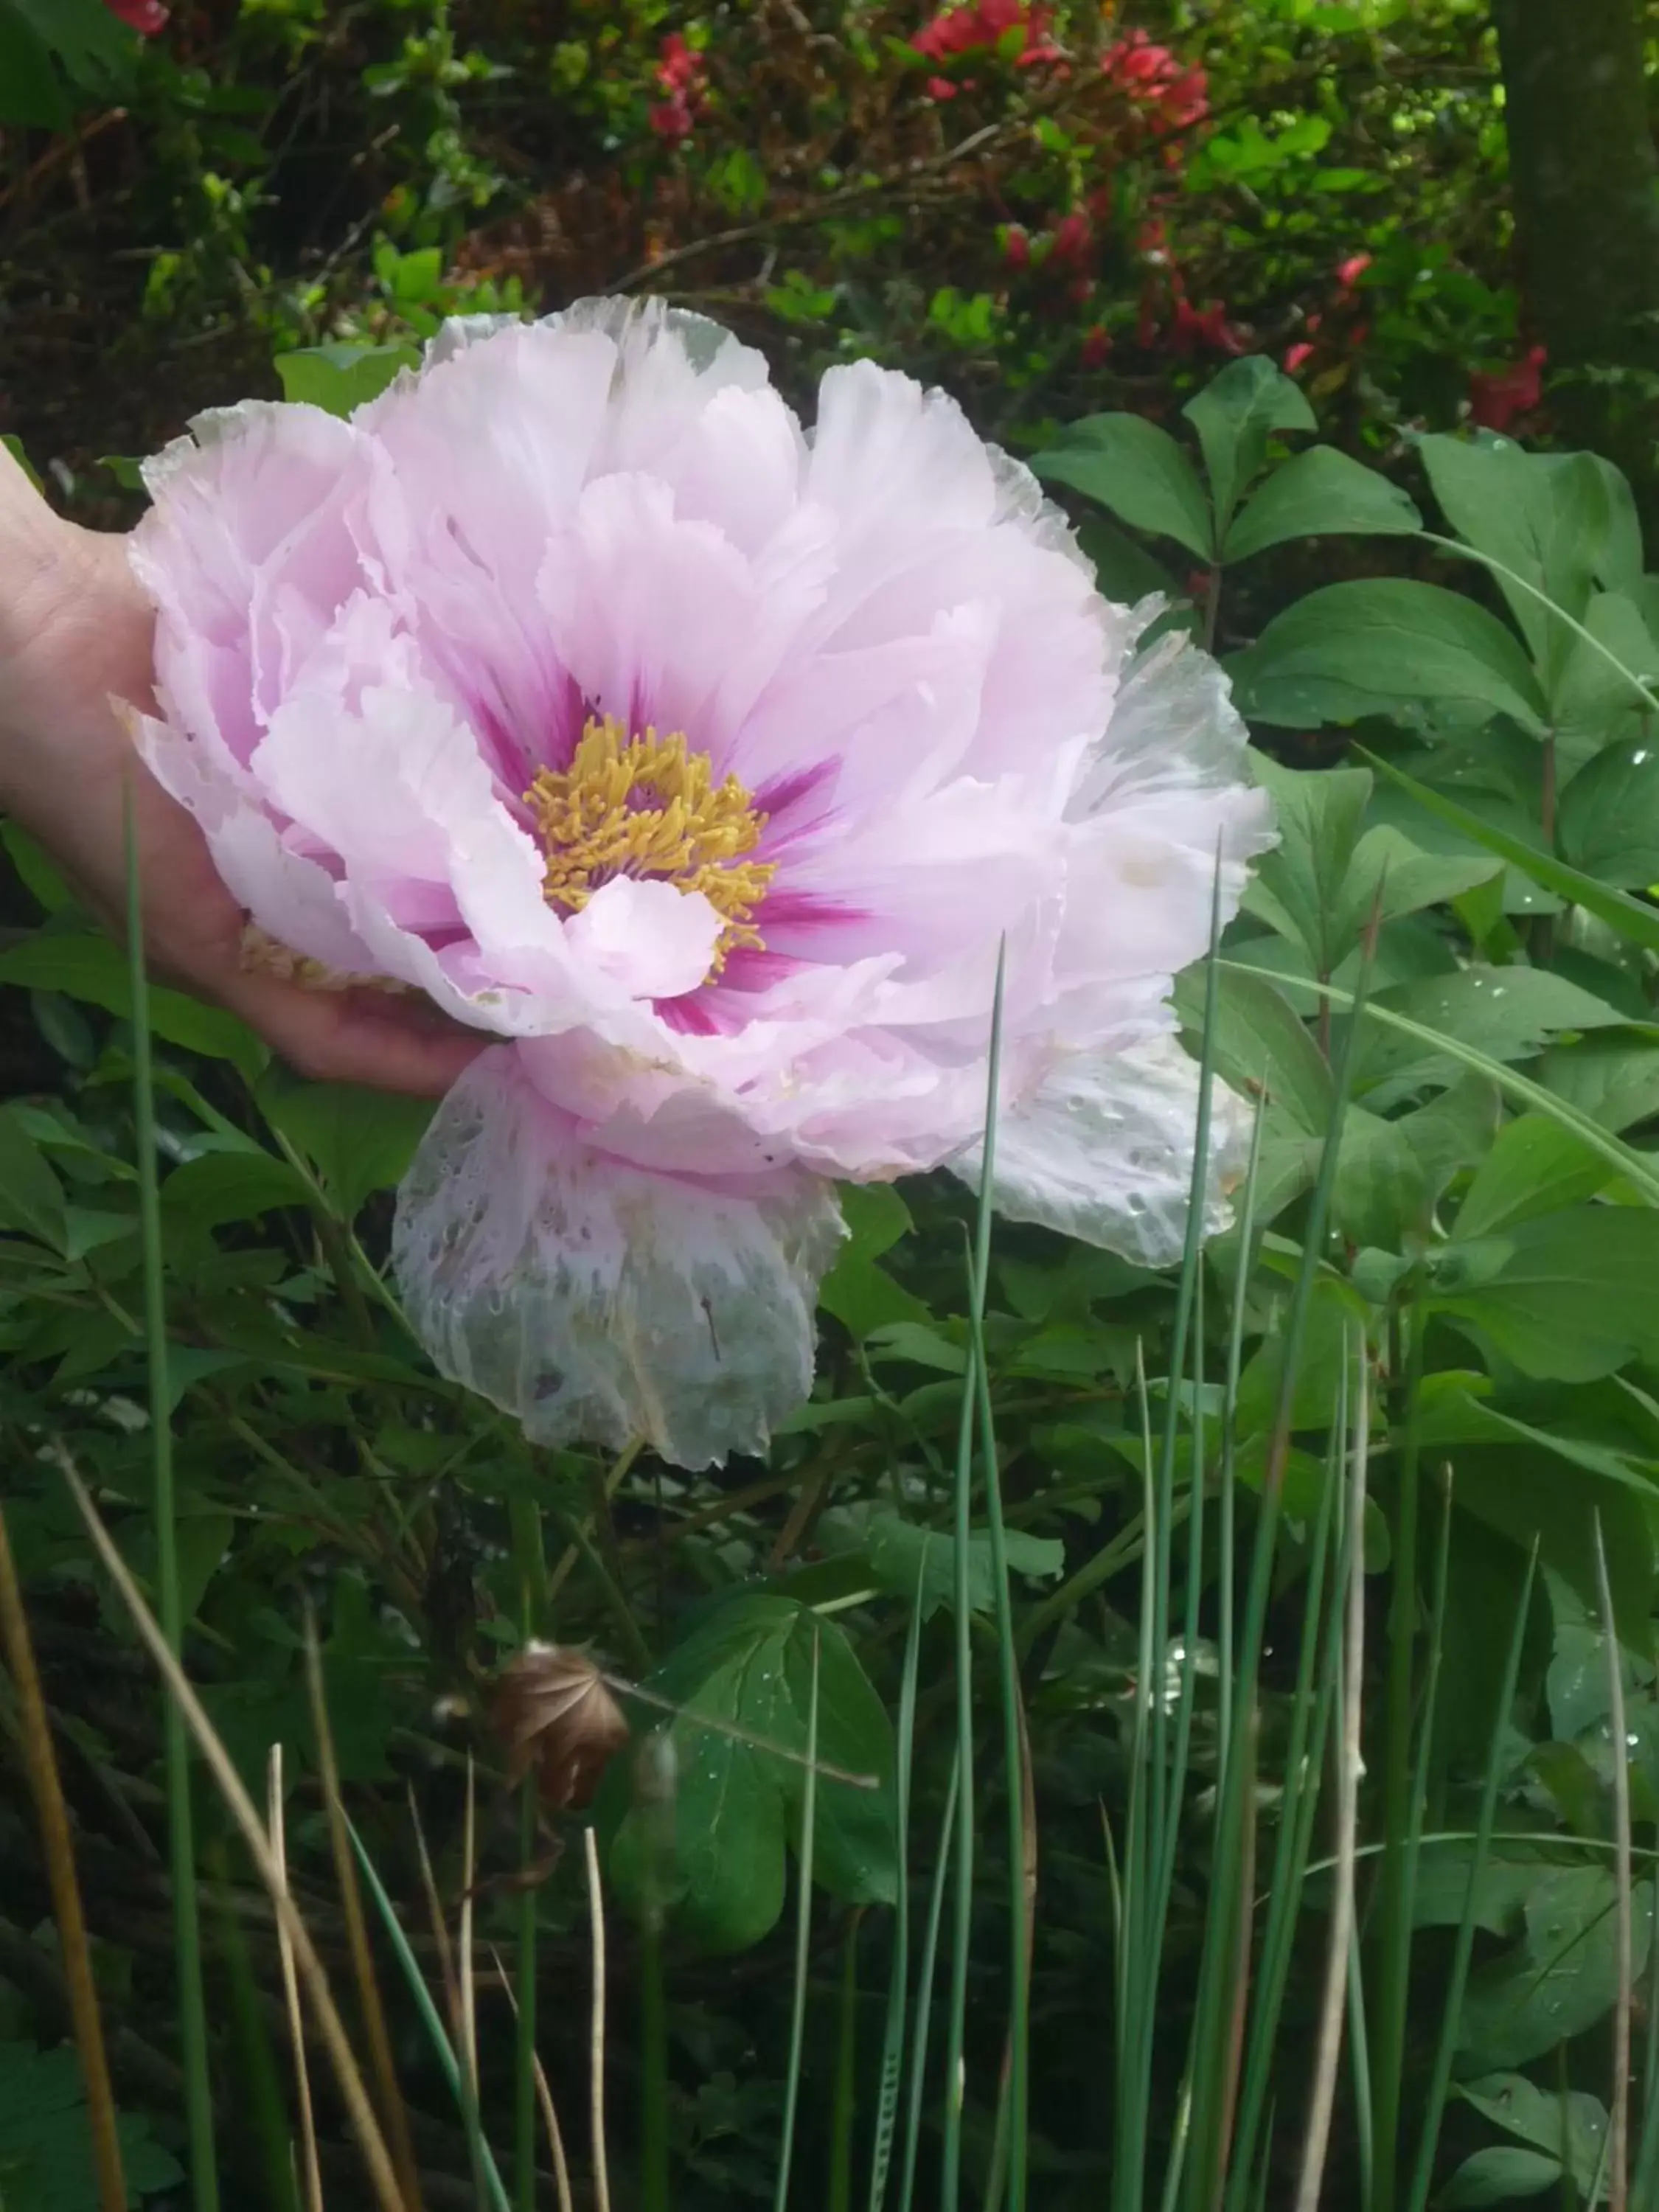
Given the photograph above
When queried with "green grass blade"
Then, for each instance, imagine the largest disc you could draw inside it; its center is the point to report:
(1636, 1167)
(1311, 1703)
(892, 2047)
(1393, 1919)
(530, 1563)
(427, 2012)
(809, 1806)
(925, 1986)
(181, 1843)
(1013, 1732)
(1227, 1567)
(963, 1897)
(844, 2115)
(1225, 1947)
(1440, 2082)
(1637, 923)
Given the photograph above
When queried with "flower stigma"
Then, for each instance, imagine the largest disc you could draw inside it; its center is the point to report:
(649, 807)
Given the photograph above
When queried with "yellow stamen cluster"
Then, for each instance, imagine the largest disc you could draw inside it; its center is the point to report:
(649, 807)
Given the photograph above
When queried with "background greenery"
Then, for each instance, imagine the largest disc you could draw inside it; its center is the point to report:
(1254, 290)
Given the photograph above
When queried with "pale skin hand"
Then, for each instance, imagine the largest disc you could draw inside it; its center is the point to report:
(74, 632)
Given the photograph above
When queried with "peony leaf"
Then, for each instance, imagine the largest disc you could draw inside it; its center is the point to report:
(1320, 494)
(1390, 645)
(749, 1667)
(341, 377)
(1235, 416)
(1138, 470)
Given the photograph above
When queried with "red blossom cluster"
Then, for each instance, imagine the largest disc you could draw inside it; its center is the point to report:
(1348, 274)
(1497, 401)
(148, 16)
(683, 79)
(1165, 94)
(977, 27)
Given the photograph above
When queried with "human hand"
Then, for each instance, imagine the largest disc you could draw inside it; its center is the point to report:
(75, 633)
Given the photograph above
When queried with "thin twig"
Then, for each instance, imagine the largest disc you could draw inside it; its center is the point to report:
(367, 2128)
(545, 2098)
(392, 2110)
(596, 2058)
(313, 2178)
(46, 1787)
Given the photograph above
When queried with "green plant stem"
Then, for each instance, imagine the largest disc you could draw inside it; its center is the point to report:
(928, 1965)
(847, 2052)
(803, 1941)
(175, 1743)
(530, 1566)
(1393, 1929)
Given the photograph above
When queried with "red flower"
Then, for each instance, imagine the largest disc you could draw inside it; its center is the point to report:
(1016, 245)
(977, 27)
(679, 74)
(1211, 328)
(1071, 240)
(1174, 97)
(1296, 354)
(1349, 272)
(1497, 401)
(148, 16)
(1096, 344)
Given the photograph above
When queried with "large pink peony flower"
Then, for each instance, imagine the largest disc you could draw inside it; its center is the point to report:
(707, 762)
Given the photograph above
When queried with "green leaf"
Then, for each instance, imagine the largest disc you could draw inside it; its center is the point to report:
(1608, 822)
(919, 1564)
(1299, 886)
(1598, 698)
(359, 1141)
(341, 377)
(1504, 1012)
(749, 1666)
(1543, 2119)
(1534, 1168)
(1138, 470)
(1614, 1080)
(1558, 520)
(1323, 493)
(1499, 2176)
(31, 1197)
(95, 47)
(40, 878)
(1637, 923)
(1259, 1045)
(222, 1187)
(1390, 1175)
(13, 444)
(1387, 646)
(127, 469)
(1563, 1977)
(1574, 1300)
(45, 2141)
(1124, 570)
(1235, 416)
(95, 969)
(31, 97)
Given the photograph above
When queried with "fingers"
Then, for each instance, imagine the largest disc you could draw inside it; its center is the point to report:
(354, 1037)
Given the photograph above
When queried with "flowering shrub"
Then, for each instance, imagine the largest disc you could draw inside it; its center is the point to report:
(711, 765)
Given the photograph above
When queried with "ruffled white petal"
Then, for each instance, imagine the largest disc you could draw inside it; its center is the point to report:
(597, 1301)
(1103, 1151)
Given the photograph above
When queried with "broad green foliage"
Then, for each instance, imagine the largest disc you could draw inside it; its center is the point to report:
(1440, 995)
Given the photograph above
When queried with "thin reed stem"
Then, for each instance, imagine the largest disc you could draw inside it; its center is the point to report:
(175, 1741)
(58, 1849)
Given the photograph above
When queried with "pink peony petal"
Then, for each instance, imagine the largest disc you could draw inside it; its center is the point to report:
(374, 636)
(597, 1302)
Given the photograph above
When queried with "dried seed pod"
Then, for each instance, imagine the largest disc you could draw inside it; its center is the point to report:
(554, 1713)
